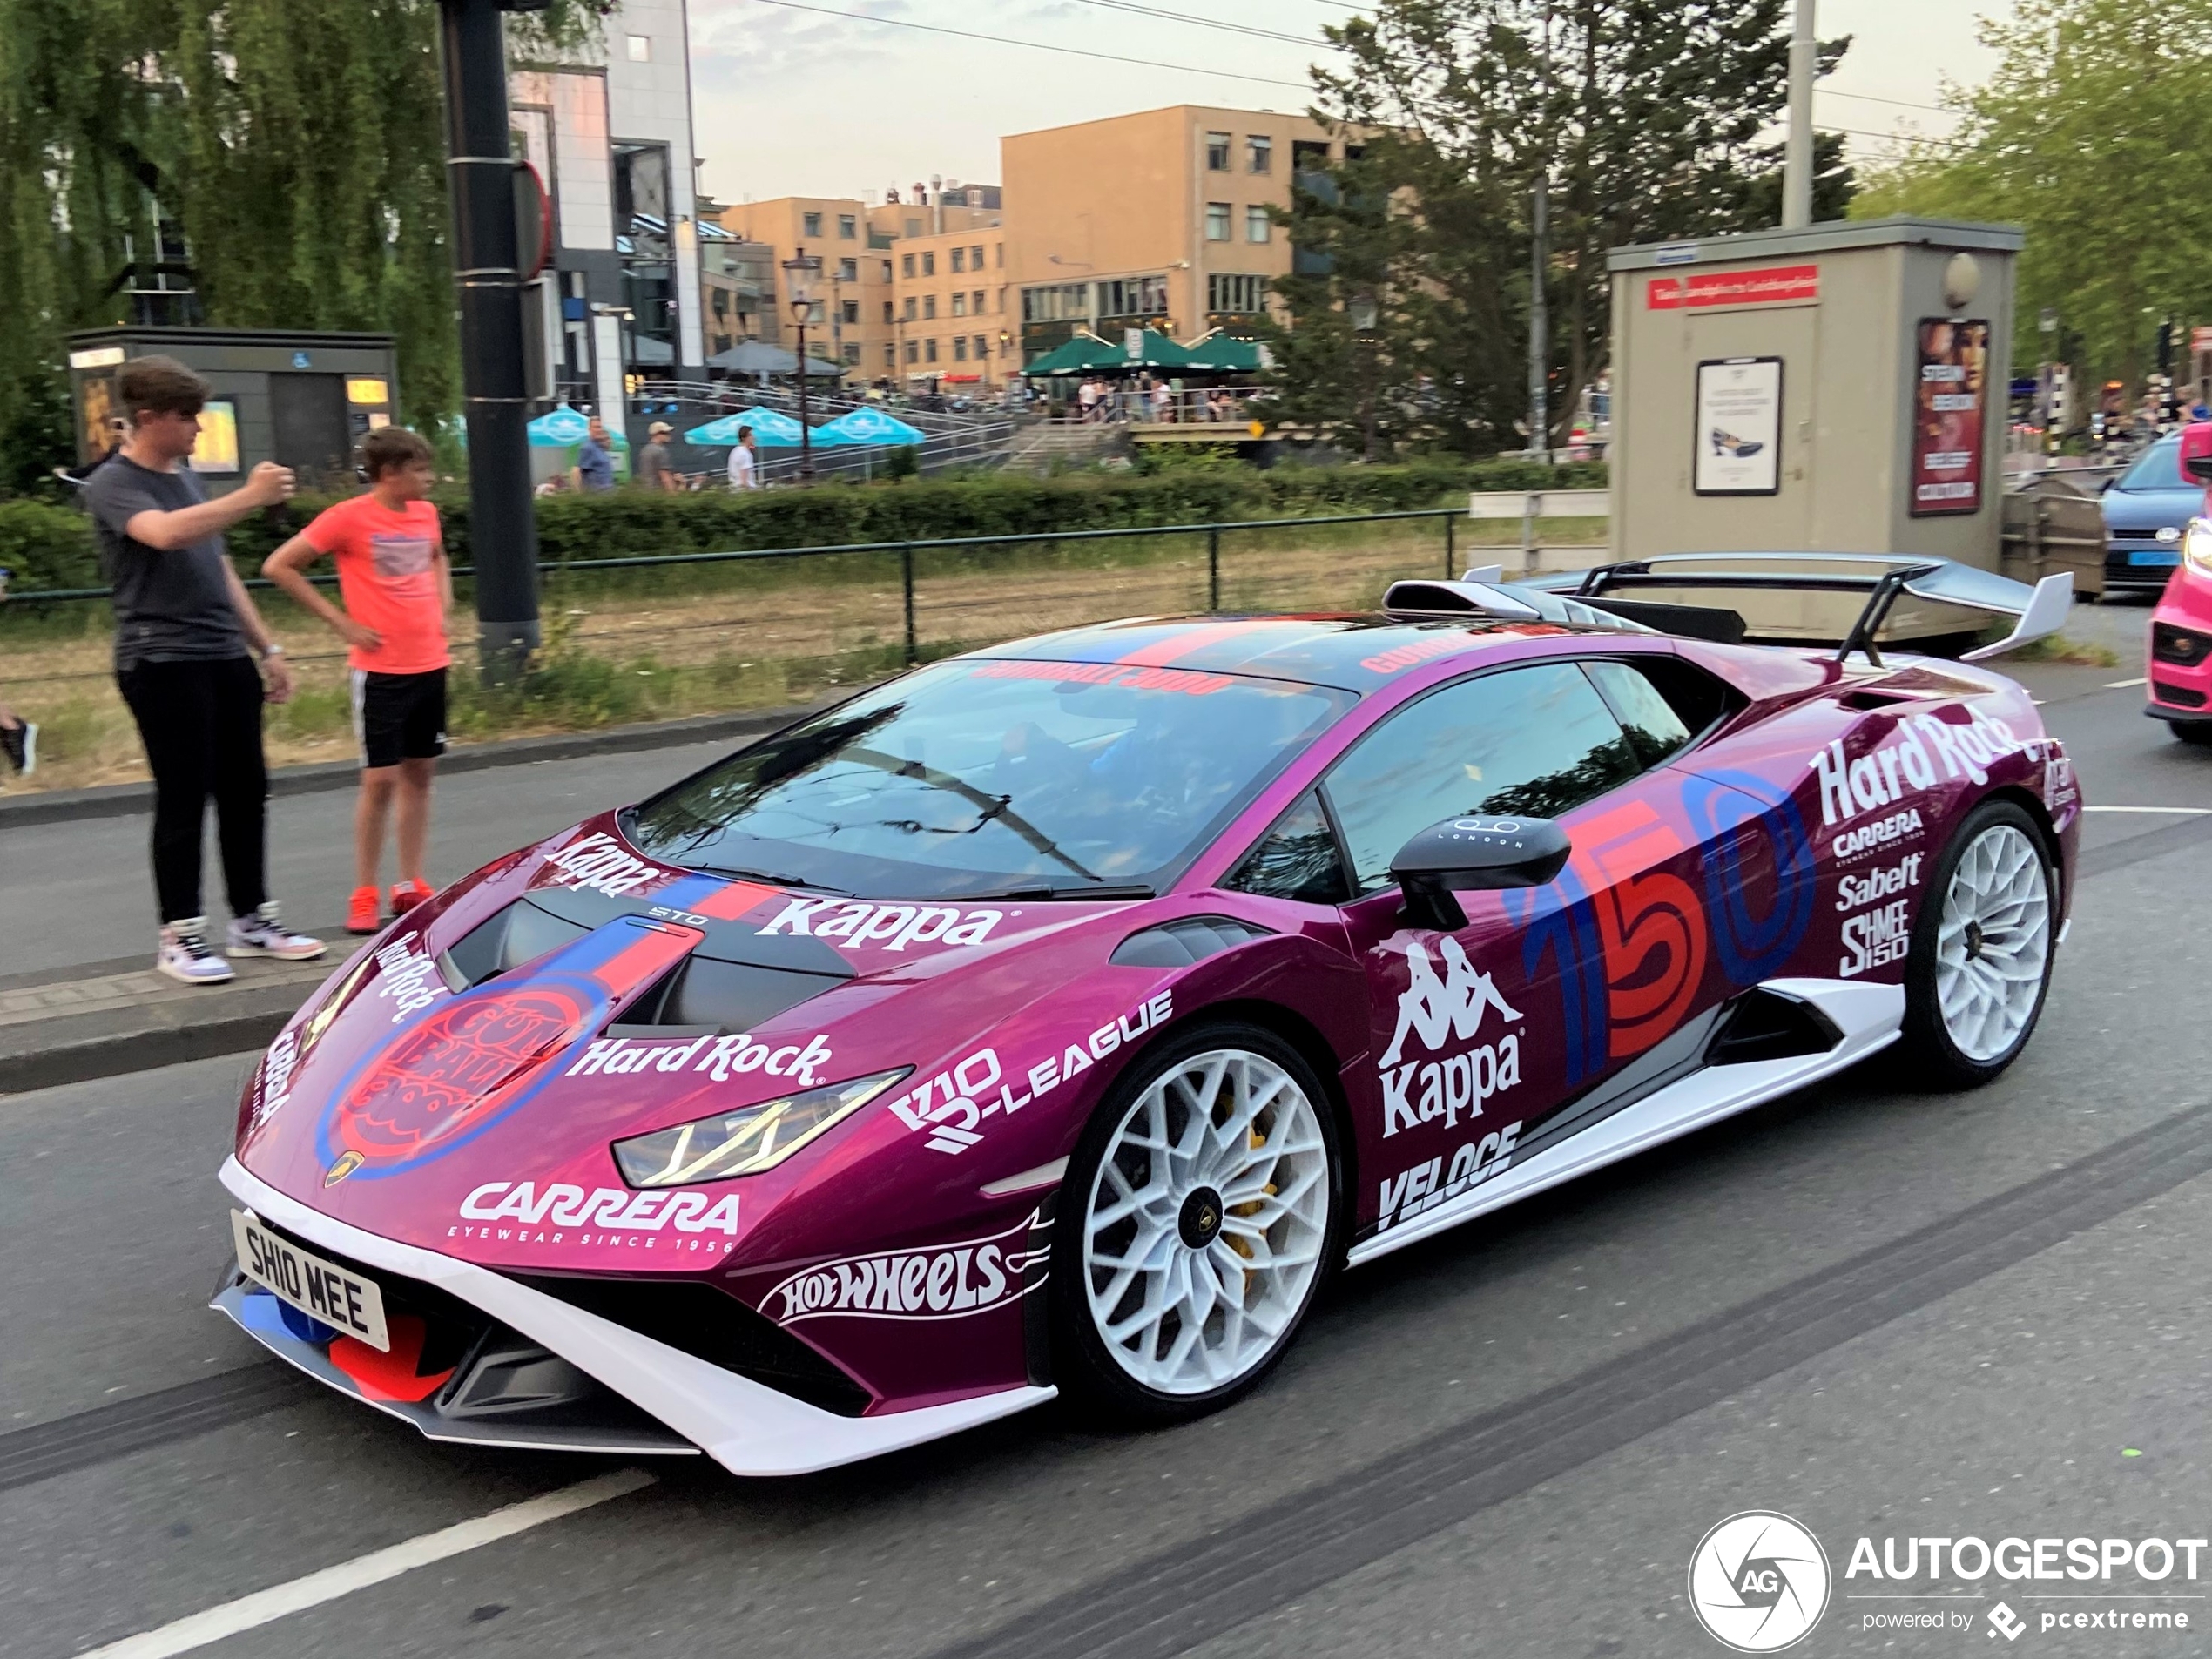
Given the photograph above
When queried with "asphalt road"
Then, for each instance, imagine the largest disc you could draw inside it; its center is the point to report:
(1879, 1311)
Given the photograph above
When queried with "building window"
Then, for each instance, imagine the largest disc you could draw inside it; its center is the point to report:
(929, 265)
(983, 347)
(912, 307)
(848, 227)
(852, 352)
(929, 351)
(1216, 152)
(887, 316)
(959, 305)
(999, 252)
(817, 312)
(852, 309)
(813, 222)
(959, 349)
(929, 305)
(1144, 296)
(1216, 221)
(890, 353)
(906, 264)
(1062, 302)
(1228, 292)
(960, 258)
(641, 49)
(848, 270)
(1259, 153)
(975, 258)
(1259, 228)
(914, 349)
(887, 270)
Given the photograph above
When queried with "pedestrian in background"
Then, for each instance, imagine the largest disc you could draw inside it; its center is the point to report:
(184, 632)
(19, 737)
(595, 460)
(744, 471)
(397, 585)
(654, 466)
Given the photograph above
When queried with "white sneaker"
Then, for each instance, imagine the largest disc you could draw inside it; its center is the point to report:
(185, 955)
(262, 934)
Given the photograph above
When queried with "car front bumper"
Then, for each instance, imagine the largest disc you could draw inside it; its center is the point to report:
(686, 1403)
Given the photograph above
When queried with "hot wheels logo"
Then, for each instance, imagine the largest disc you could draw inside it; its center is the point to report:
(936, 1282)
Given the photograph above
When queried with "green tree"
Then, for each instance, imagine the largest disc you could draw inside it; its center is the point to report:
(2092, 135)
(298, 149)
(1644, 117)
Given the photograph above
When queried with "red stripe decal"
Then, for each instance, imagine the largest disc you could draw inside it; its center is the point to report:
(728, 903)
(657, 945)
(1178, 646)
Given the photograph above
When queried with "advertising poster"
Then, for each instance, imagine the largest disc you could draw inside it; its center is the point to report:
(217, 450)
(1948, 393)
(1738, 427)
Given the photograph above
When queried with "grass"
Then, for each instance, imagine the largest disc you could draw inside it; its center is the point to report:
(2060, 648)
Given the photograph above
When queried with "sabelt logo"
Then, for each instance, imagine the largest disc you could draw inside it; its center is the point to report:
(934, 1282)
(599, 862)
(893, 927)
(1436, 1012)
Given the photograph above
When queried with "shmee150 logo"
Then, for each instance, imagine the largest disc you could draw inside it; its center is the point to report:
(1758, 1582)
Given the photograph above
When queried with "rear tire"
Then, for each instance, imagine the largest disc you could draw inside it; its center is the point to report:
(1197, 1221)
(1982, 949)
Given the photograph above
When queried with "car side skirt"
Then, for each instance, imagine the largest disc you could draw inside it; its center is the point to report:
(747, 1427)
(1871, 1017)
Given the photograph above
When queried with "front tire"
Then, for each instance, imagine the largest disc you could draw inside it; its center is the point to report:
(1982, 949)
(2196, 733)
(1197, 1221)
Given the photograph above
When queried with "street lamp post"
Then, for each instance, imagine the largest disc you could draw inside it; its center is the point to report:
(799, 281)
(480, 164)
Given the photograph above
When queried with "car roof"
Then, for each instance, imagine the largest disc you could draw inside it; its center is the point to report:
(1354, 652)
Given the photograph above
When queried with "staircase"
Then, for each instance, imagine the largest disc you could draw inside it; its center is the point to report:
(1038, 449)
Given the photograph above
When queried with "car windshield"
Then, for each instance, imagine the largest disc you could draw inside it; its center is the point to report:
(994, 777)
(2157, 468)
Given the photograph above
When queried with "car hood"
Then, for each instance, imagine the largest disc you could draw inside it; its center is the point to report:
(2144, 512)
(477, 1118)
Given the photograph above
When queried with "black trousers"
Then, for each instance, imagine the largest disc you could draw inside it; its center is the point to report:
(201, 723)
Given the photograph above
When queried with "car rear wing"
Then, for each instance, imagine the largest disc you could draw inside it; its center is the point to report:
(2037, 611)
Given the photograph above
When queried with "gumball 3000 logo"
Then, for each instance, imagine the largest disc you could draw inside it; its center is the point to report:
(1758, 1582)
(462, 1069)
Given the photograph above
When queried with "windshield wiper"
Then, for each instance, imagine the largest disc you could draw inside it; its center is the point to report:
(1039, 890)
(774, 878)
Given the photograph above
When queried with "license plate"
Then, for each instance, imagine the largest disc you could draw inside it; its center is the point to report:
(2153, 556)
(322, 1290)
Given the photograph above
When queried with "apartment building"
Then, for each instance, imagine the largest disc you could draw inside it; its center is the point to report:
(846, 322)
(954, 326)
(1158, 219)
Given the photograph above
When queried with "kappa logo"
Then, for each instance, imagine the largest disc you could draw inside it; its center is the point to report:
(1436, 1012)
(935, 1282)
(598, 861)
(410, 978)
(893, 926)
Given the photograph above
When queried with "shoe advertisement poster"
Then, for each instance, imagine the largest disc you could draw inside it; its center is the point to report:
(1739, 427)
(1948, 393)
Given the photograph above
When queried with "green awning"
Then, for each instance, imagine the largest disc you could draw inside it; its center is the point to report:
(1080, 354)
(1220, 353)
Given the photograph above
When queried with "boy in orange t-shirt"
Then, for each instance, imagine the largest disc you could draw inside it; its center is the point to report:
(397, 586)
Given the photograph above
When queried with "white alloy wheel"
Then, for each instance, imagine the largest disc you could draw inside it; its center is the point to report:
(1993, 942)
(1207, 1222)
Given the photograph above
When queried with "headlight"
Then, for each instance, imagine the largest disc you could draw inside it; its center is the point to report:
(2196, 544)
(744, 1142)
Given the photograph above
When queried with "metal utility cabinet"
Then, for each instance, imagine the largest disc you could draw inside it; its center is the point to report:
(1840, 388)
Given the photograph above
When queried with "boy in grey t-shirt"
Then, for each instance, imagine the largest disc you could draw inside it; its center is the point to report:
(183, 628)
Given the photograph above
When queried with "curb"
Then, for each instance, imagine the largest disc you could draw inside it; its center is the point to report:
(108, 1047)
(118, 800)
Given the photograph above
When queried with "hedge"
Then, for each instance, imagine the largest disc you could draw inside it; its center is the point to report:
(51, 546)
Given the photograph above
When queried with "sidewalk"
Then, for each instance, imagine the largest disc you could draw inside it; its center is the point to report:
(78, 996)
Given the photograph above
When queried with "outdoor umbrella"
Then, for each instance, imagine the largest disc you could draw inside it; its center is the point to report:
(867, 425)
(558, 428)
(770, 429)
(1080, 354)
(1220, 353)
(752, 357)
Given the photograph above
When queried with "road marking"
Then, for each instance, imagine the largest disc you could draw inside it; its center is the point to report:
(265, 1606)
(2173, 811)
(2122, 686)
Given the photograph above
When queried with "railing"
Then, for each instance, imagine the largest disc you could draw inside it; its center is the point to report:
(1124, 403)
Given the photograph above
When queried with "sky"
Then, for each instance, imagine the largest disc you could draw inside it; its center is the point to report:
(792, 99)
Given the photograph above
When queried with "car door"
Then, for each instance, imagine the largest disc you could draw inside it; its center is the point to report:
(1493, 1040)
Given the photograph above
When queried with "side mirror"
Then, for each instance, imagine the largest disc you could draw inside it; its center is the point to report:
(2196, 451)
(1470, 855)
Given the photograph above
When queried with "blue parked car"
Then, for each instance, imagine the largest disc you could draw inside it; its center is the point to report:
(2145, 510)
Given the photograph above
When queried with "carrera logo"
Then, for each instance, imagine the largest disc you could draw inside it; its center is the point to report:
(1436, 1012)
(598, 861)
(516, 1213)
(1896, 827)
(893, 926)
(719, 1057)
(937, 1282)
(1426, 1185)
(409, 977)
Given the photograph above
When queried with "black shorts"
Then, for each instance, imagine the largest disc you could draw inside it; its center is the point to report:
(400, 717)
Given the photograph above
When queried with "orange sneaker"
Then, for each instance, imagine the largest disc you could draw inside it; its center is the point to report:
(408, 895)
(363, 913)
